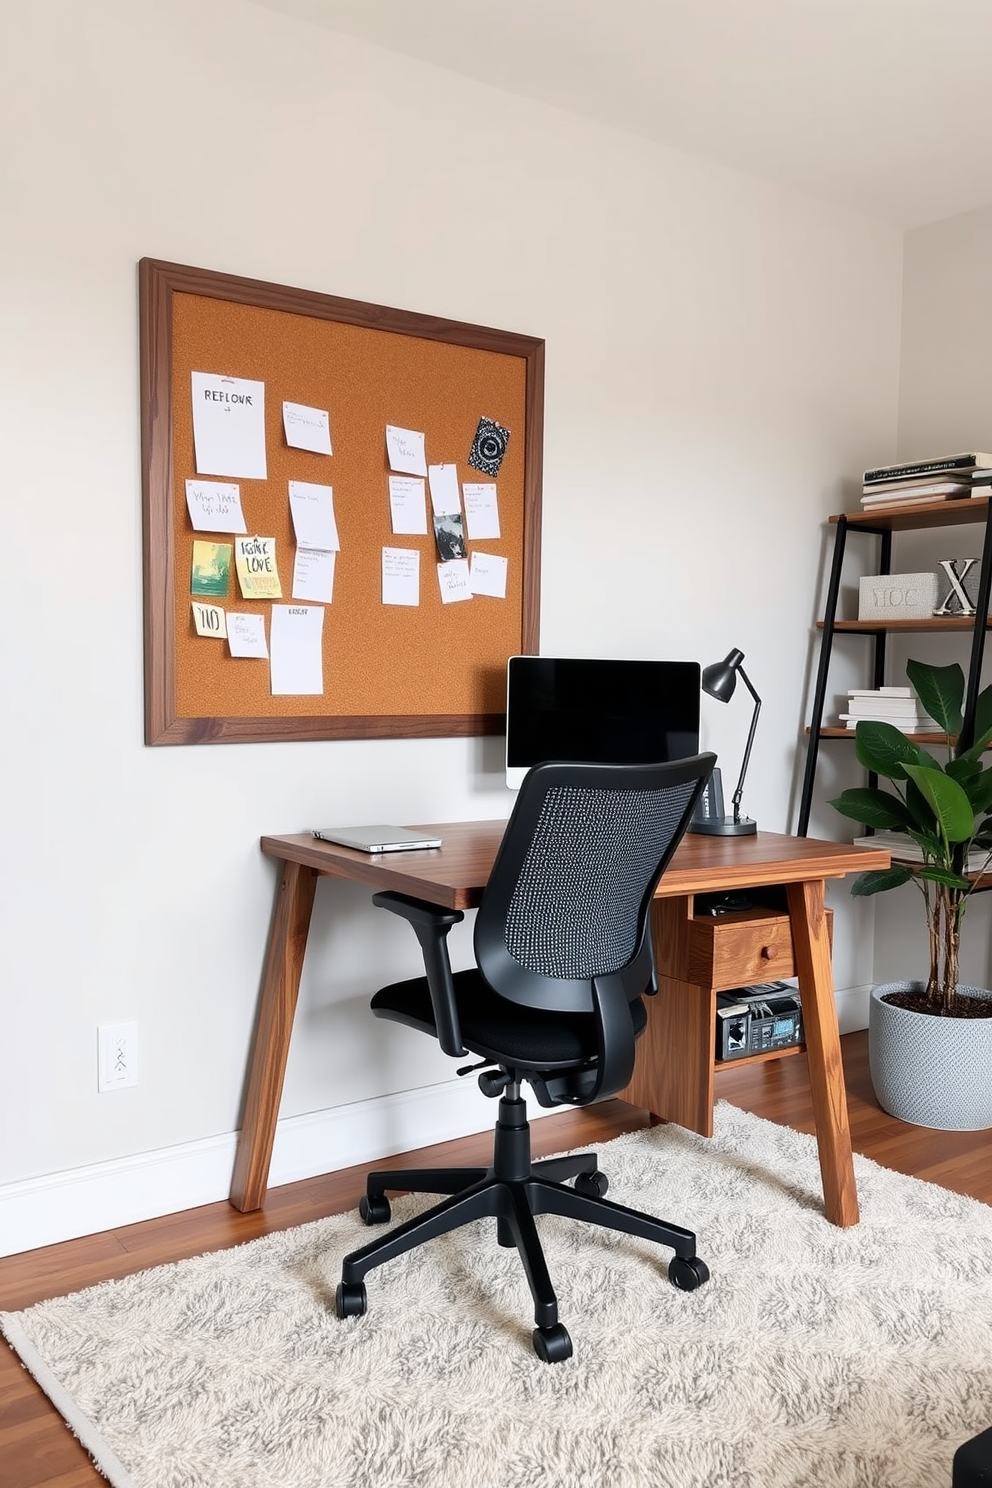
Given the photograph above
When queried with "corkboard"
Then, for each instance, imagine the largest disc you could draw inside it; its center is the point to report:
(389, 671)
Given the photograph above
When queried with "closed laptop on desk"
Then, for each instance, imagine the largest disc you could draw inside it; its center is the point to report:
(376, 839)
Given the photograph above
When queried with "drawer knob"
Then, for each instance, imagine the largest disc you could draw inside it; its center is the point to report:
(768, 953)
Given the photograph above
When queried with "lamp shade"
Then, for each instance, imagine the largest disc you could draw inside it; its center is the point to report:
(720, 679)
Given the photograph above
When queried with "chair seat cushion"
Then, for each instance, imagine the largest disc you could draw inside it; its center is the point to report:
(497, 1028)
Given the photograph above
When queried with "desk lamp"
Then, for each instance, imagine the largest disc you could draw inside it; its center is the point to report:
(720, 680)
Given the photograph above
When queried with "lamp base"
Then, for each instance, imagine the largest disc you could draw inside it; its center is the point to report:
(725, 826)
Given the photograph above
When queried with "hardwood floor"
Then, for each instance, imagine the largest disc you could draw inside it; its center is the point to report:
(38, 1451)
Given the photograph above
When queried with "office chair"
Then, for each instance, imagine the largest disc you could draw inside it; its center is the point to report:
(563, 951)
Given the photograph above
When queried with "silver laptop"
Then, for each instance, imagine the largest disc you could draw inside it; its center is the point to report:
(377, 839)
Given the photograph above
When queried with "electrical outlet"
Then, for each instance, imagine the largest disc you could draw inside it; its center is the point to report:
(117, 1056)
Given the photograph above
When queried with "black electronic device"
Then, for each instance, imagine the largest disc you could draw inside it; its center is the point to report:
(757, 1020)
(596, 711)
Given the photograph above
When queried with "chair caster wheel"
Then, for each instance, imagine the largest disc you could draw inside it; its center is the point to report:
(595, 1184)
(688, 1275)
(552, 1345)
(374, 1210)
(350, 1299)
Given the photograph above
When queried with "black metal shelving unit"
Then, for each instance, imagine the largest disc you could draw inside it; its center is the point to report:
(881, 525)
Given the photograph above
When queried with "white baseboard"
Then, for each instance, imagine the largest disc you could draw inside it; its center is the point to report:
(104, 1196)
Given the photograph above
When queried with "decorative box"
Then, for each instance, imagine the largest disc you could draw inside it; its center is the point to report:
(911, 596)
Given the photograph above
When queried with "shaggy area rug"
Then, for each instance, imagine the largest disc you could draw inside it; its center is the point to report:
(814, 1357)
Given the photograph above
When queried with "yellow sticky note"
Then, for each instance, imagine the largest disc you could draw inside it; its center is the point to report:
(210, 620)
(255, 558)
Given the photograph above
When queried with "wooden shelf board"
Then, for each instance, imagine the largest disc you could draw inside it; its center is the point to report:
(969, 509)
(722, 1064)
(874, 627)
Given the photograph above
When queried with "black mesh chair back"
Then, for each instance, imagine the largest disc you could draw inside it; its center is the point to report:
(568, 898)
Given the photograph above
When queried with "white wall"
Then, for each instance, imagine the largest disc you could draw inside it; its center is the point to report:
(721, 359)
(944, 404)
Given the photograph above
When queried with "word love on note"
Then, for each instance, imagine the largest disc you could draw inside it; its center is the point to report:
(255, 559)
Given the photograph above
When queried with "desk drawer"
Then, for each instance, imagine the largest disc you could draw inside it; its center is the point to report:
(724, 951)
(734, 950)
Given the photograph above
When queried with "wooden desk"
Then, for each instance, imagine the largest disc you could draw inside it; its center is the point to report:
(673, 1078)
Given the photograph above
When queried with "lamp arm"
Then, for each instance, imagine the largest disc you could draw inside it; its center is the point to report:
(750, 740)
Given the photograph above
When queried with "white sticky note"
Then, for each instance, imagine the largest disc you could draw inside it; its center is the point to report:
(209, 620)
(313, 575)
(307, 428)
(444, 490)
(481, 510)
(215, 506)
(405, 449)
(229, 425)
(487, 574)
(246, 634)
(312, 508)
(453, 578)
(400, 576)
(407, 505)
(297, 666)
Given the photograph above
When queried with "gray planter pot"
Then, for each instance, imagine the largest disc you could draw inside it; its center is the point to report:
(934, 1072)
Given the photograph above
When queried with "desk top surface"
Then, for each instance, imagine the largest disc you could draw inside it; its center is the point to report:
(455, 874)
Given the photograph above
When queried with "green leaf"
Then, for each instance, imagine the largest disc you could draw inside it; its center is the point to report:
(879, 880)
(983, 714)
(979, 792)
(944, 876)
(948, 799)
(886, 750)
(876, 808)
(940, 690)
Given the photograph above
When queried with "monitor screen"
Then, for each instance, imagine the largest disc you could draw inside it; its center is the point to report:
(603, 712)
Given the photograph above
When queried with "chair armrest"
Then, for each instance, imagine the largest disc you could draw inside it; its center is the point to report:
(431, 925)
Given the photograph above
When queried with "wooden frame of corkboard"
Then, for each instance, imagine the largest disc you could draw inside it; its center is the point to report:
(390, 671)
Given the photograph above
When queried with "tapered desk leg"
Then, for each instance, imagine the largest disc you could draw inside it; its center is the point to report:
(811, 946)
(273, 1029)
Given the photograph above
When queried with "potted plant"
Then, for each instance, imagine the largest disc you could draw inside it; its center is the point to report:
(930, 1042)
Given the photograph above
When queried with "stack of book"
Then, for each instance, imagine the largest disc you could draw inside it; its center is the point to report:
(905, 850)
(916, 482)
(896, 705)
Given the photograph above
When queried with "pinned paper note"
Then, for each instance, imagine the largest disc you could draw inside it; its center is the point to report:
(215, 506)
(307, 428)
(407, 505)
(405, 450)
(258, 575)
(487, 574)
(297, 667)
(229, 425)
(454, 581)
(400, 576)
(209, 621)
(313, 575)
(211, 568)
(481, 511)
(246, 634)
(312, 508)
(444, 490)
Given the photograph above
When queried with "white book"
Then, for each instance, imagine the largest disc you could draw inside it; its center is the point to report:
(904, 725)
(896, 707)
(904, 849)
(881, 692)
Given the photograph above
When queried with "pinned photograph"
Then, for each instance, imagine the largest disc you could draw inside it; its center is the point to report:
(449, 534)
(211, 568)
(488, 446)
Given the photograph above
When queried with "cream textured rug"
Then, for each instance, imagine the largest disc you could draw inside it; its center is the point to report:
(814, 1358)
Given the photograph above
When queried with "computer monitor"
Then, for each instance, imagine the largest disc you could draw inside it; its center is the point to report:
(599, 711)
